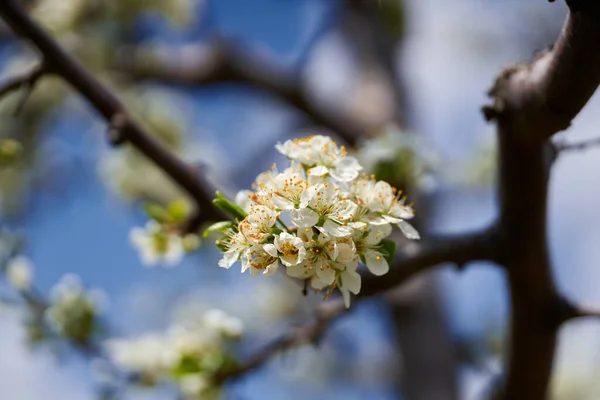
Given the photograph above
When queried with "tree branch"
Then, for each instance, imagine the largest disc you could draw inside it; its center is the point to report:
(308, 333)
(65, 66)
(418, 257)
(531, 103)
(223, 62)
(549, 92)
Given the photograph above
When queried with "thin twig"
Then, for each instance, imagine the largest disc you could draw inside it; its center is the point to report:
(579, 146)
(25, 79)
(308, 333)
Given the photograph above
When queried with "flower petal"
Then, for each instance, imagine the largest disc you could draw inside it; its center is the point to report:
(282, 202)
(325, 273)
(350, 280)
(376, 262)
(299, 271)
(304, 217)
(408, 230)
(319, 170)
(271, 269)
(346, 169)
(377, 233)
(335, 229)
(346, 296)
(270, 249)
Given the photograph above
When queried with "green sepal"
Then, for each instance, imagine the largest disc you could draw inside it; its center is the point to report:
(187, 365)
(156, 212)
(388, 249)
(229, 207)
(218, 227)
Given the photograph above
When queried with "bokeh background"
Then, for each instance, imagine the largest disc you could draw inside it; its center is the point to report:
(75, 199)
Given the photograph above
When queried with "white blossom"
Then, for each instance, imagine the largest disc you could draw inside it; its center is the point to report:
(235, 244)
(339, 219)
(256, 227)
(19, 272)
(143, 355)
(389, 207)
(291, 249)
(73, 309)
(368, 248)
(333, 208)
(156, 245)
(190, 354)
(260, 260)
(220, 321)
(321, 156)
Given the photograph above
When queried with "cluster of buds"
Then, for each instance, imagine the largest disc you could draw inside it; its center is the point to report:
(193, 355)
(340, 219)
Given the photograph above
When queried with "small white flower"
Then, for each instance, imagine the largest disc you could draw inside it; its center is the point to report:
(287, 190)
(291, 249)
(390, 208)
(156, 246)
(336, 210)
(144, 355)
(367, 247)
(260, 260)
(19, 272)
(322, 156)
(256, 227)
(236, 244)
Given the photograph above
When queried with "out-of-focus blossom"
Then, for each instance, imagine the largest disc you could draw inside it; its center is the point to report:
(73, 311)
(156, 245)
(19, 272)
(191, 354)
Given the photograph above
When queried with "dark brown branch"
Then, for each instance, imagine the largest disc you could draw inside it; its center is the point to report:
(219, 62)
(531, 103)
(65, 66)
(308, 333)
(549, 92)
(421, 256)
(26, 79)
(579, 146)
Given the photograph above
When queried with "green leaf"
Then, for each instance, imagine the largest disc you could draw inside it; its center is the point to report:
(388, 249)
(156, 212)
(229, 207)
(218, 227)
(178, 210)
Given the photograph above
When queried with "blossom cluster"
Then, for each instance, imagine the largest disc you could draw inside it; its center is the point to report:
(192, 355)
(74, 310)
(340, 219)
